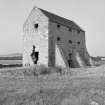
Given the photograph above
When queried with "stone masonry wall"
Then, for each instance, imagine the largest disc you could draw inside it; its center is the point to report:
(70, 40)
(51, 46)
(35, 35)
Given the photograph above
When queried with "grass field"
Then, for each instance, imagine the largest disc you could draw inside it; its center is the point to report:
(19, 87)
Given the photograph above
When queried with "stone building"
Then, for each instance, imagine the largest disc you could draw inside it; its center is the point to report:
(54, 39)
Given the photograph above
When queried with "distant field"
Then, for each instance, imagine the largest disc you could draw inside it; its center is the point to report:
(10, 63)
(7, 62)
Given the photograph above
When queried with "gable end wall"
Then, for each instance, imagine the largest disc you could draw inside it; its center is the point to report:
(37, 37)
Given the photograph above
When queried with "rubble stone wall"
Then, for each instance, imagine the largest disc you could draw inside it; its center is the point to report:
(69, 41)
(35, 33)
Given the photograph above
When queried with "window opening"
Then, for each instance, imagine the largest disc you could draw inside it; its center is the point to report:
(58, 38)
(78, 31)
(36, 26)
(70, 29)
(58, 26)
(70, 41)
(78, 42)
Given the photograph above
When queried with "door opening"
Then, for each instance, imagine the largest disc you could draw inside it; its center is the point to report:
(34, 55)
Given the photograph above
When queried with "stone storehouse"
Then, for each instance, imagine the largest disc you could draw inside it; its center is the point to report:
(54, 39)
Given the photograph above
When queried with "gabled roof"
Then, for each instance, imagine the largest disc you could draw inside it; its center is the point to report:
(61, 20)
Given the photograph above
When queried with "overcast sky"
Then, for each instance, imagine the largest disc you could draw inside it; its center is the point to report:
(89, 14)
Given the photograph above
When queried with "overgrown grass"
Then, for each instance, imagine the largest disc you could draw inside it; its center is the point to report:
(43, 70)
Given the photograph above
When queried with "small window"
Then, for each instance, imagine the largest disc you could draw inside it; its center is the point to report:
(78, 42)
(36, 26)
(70, 54)
(70, 41)
(78, 31)
(58, 26)
(58, 38)
(70, 29)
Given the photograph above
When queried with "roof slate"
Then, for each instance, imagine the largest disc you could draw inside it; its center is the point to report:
(61, 20)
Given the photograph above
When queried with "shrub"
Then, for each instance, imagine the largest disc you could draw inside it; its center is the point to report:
(44, 70)
(58, 69)
(40, 70)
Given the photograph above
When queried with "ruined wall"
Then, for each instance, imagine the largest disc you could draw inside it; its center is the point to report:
(35, 33)
(69, 41)
(45, 34)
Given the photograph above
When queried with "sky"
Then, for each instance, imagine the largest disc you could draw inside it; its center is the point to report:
(88, 14)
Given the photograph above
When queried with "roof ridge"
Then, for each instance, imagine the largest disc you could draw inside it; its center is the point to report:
(61, 20)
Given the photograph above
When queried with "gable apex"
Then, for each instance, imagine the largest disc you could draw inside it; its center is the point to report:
(35, 12)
